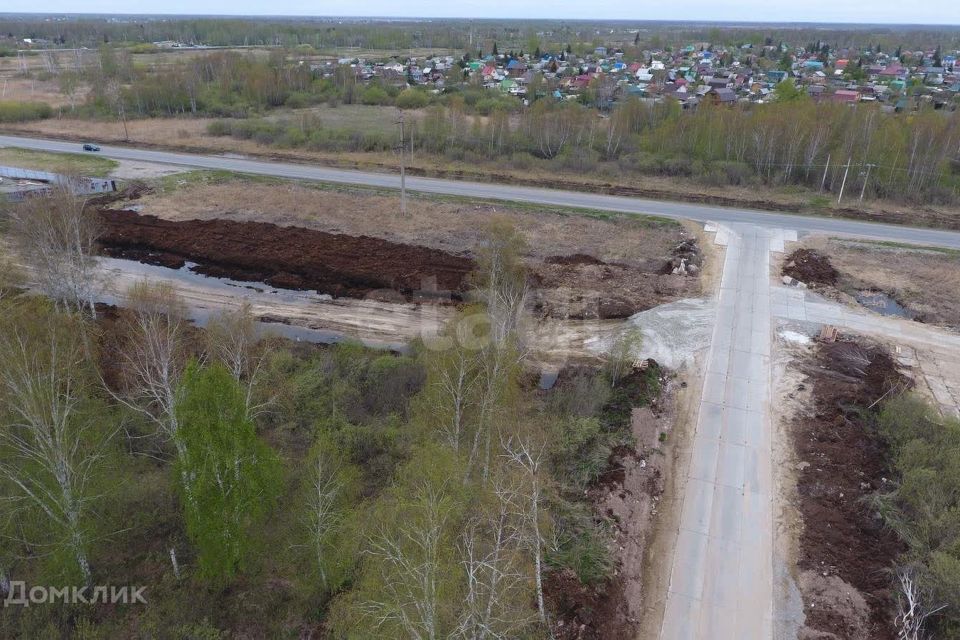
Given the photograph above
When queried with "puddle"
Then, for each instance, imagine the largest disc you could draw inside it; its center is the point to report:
(883, 304)
(548, 379)
(239, 289)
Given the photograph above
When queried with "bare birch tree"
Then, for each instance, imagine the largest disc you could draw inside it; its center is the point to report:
(530, 457)
(502, 286)
(51, 443)
(56, 237)
(153, 355)
(233, 341)
(913, 607)
(450, 394)
(332, 487)
(496, 579)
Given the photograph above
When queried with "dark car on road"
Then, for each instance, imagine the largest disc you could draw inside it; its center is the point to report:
(90, 147)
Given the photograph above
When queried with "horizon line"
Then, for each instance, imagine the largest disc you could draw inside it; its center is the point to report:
(705, 21)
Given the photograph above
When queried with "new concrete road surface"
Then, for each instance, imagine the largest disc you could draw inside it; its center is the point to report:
(493, 191)
(721, 579)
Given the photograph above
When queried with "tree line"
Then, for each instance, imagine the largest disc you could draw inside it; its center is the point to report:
(909, 157)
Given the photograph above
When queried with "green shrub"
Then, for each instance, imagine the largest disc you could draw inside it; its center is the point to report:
(12, 111)
(374, 96)
(412, 99)
(220, 128)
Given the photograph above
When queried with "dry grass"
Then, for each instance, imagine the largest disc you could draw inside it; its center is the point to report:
(925, 280)
(450, 226)
(27, 90)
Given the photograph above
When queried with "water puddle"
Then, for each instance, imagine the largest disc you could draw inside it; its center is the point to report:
(885, 305)
(548, 378)
(253, 291)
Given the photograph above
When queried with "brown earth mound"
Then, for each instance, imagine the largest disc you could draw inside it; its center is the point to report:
(287, 257)
(575, 258)
(586, 290)
(842, 463)
(810, 267)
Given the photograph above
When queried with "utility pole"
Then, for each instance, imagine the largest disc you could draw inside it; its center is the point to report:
(863, 189)
(823, 181)
(843, 183)
(403, 173)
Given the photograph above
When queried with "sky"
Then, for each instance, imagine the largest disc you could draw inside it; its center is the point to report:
(935, 12)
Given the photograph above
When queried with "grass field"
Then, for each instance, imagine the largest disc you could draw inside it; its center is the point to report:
(69, 163)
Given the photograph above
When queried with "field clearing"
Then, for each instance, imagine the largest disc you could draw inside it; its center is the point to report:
(446, 225)
(67, 163)
(926, 281)
(29, 90)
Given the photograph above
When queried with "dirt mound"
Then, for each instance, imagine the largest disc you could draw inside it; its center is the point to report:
(587, 612)
(586, 290)
(287, 257)
(575, 258)
(810, 267)
(842, 462)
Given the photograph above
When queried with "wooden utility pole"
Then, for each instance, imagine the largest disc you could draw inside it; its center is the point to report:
(863, 189)
(823, 181)
(403, 173)
(843, 183)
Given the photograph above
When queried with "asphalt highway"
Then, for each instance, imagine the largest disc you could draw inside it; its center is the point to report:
(493, 191)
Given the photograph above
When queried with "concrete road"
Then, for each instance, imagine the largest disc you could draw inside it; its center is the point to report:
(586, 200)
(721, 580)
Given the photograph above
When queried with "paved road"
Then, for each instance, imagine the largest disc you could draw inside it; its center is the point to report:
(517, 194)
(721, 580)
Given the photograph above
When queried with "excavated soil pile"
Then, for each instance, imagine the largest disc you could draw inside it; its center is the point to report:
(842, 461)
(581, 287)
(810, 267)
(287, 257)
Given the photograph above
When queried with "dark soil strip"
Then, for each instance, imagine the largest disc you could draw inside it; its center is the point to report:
(287, 257)
(847, 463)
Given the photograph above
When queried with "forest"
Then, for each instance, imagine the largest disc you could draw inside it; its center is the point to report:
(283, 489)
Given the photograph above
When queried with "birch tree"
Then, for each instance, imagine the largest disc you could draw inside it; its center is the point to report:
(332, 488)
(52, 438)
(502, 286)
(56, 237)
(409, 584)
(529, 456)
(229, 477)
(233, 341)
(497, 580)
(449, 398)
(153, 353)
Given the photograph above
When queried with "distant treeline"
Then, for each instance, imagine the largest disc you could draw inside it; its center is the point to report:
(329, 33)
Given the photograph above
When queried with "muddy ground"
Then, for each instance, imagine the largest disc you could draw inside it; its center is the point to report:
(924, 282)
(844, 550)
